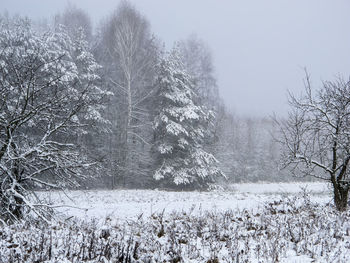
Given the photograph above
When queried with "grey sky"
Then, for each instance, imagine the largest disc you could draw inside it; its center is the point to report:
(260, 46)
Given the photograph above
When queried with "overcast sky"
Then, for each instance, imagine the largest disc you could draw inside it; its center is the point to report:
(260, 47)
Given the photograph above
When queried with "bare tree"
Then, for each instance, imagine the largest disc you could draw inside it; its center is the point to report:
(316, 136)
(197, 58)
(74, 18)
(131, 53)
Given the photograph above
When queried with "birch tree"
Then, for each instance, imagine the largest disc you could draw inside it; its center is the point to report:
(132, 52)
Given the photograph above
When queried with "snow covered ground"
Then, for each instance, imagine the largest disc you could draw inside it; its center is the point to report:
(130, 204)
(261, 222)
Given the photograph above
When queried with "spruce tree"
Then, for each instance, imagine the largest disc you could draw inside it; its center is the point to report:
(180, 128)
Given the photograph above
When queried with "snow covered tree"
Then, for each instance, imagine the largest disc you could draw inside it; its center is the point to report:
(48, 96)
(180, 128)
(316, 136)
(92, 142)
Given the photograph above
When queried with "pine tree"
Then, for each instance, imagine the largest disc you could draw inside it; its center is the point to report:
(180, 129)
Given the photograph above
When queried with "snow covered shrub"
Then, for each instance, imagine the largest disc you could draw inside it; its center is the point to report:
(286, 229)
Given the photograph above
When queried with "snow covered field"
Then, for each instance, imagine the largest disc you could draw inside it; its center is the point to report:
(130, 204)
(249, 223)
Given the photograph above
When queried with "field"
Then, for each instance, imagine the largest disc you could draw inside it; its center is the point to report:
(249, 223)
(130, 204)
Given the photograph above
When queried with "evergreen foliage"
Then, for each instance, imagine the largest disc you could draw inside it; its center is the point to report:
(180, 129)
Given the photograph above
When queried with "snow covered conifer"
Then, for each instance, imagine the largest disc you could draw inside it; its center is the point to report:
(180, 128)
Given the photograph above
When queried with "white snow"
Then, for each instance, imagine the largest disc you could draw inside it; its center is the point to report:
(129, 204)
(263, 222)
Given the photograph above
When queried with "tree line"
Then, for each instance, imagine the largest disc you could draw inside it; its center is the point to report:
(112, 108)
(218, 146)
(134, 67)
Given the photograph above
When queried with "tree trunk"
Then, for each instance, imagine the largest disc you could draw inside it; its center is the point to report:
(17, 206)
(122, 156)
(340, 196)
(127, 167)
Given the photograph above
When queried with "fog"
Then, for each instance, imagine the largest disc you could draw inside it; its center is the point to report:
(160, 131)
(260, 48)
